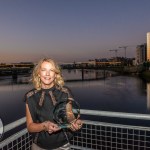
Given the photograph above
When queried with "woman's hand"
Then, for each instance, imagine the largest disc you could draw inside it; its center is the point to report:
(50, 127)
(76, 125)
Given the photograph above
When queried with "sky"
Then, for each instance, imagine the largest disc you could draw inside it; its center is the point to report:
(71, 30)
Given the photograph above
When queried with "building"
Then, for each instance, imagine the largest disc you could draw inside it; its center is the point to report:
(141, 52)
(148, 46)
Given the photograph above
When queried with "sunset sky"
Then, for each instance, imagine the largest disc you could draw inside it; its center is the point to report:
(71, 30)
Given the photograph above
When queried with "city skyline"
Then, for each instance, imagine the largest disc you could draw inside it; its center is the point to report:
(70, 31)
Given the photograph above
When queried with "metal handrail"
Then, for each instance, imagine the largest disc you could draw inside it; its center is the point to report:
(15, 136)
(116, 114)
(88, 112)
(100, 131)
(14, 124)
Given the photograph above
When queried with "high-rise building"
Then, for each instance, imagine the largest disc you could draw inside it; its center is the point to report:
(148, 46)
(141, 53)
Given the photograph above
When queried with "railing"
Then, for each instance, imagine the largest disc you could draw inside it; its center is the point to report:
(93, 135)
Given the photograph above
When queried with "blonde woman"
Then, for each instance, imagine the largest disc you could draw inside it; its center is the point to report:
(40, 101)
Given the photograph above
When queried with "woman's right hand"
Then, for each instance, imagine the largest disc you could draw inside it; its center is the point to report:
(50, 127)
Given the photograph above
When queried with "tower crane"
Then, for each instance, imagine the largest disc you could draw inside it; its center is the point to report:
(125, 48)
(115, 50)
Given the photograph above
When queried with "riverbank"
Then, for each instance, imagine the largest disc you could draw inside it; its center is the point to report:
(145, 75)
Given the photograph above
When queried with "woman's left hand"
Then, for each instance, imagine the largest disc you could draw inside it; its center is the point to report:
(52, 127)
(76, 125)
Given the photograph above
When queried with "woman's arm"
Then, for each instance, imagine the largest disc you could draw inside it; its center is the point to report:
(38, 127)
(31, 126)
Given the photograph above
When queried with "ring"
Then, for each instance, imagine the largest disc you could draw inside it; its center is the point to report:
(80, 125)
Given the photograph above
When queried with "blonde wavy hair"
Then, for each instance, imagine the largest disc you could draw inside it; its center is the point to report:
(59, 81)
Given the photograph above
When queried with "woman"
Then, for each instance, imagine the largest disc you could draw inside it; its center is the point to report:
(40, 102)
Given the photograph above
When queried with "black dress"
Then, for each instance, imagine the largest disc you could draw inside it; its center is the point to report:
(41, 104)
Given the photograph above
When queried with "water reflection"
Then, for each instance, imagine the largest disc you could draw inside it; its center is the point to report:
(85, 74)
(8, 80)
(148, 96)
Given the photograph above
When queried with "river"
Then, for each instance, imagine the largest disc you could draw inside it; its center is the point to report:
(114, 93)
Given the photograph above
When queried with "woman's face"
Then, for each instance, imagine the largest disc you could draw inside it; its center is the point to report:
(47, 75)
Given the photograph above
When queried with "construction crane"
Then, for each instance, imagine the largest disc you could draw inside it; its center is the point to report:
(125, 48)
(115, 50)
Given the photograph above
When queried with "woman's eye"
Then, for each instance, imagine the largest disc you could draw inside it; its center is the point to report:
(52, 70)
(43, 70)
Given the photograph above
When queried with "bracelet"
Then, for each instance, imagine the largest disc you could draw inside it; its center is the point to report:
(44, 126)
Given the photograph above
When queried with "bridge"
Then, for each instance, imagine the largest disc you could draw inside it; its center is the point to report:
(120, 69)
(15, 71)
